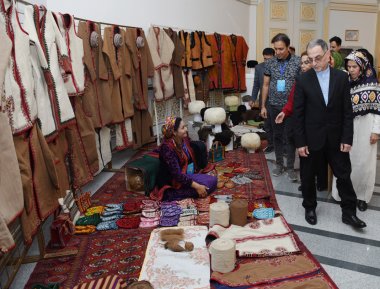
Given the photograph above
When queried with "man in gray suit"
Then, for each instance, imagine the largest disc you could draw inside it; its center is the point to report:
(268, 53)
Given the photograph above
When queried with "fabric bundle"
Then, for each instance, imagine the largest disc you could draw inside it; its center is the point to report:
(170, 214)
(111, 214)
(150, 214)
(130, 222)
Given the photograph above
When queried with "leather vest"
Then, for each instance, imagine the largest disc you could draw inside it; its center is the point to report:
(200, 51)
(186, 58)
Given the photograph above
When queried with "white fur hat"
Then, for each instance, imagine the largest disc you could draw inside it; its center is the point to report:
(196, 106)
(250, 141)
(231, 100)
(215, 115)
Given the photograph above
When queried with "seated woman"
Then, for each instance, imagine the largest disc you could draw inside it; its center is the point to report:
(178, 178)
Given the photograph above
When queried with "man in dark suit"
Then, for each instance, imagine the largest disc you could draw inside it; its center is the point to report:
(324, 127)
(268, 53)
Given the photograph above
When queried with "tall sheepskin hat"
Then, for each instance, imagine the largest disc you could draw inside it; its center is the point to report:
(231, 100)
(215, 115)
(251, 141)
(196, 106)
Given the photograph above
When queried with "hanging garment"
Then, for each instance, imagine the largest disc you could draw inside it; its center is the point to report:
(222, 73)
(11, 195)
(142, 126)
(103, 145)
(97, 98)
(142, 64)
(75, 81)
(124, 135)
(161, 49)
(186, 57)
(202, 85)
(188, 84)
(54, 108)
(178, 53)
(120, 64)
(201, 56)
(19, 100)
(39, 180)
(75, 87)
(240, 52)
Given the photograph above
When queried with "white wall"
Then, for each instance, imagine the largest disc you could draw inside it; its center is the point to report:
(363, 21)
(222, 16)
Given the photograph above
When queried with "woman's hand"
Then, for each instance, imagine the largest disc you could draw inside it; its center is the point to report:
(201, 189)
(373, 138)
(280, 117)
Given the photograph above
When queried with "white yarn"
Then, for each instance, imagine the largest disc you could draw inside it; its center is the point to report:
(215, 115)
(196, 106)
(219, 214)
(223, 255)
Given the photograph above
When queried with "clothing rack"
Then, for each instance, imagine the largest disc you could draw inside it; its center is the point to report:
(192, 30)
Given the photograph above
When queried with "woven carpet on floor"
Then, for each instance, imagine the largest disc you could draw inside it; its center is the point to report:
(122, 252)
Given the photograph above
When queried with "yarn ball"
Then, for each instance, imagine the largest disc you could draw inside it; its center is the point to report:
(215, 115)
(251, 141)
(231, 100)
(196, 106)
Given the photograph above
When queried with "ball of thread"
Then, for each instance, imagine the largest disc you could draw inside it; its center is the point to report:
(239, 211)
(223, 256)
(219, 214)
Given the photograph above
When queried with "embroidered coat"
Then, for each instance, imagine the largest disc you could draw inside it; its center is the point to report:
(178, 52)
(75, 87)
(11, 195)
(161, 49)
(119, 63)
(142, 124)
(54, 108)
(222, 73)
(75, 81)
(19, 100)
(96, 99)
(240, 52)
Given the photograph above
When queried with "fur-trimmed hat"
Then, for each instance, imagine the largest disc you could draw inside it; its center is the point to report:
(215, 115)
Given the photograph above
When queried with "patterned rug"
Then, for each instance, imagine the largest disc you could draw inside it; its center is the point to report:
(118, 252)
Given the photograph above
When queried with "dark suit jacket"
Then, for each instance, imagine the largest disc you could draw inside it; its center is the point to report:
(317, 124)
(258, 81)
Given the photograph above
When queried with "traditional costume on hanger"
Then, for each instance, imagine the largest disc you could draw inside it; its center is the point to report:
(186, 63)
(120, 64)
(240, 52)
(178, 52)
(37, 167)
(222, 73)
(142, 124)
(58, 117)
(11, 195)
(161, 49)
(96, 101)
(75, 87)
(201, 56)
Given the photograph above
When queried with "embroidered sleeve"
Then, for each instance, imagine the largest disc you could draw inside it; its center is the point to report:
(171, 160)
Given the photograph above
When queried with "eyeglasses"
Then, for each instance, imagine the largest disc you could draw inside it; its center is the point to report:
(318, 58)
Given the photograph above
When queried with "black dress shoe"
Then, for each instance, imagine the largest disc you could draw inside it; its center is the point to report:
(353, 221)
(362, 205)
(311, 217)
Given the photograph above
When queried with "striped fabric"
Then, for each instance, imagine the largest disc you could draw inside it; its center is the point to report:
(109, 282)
